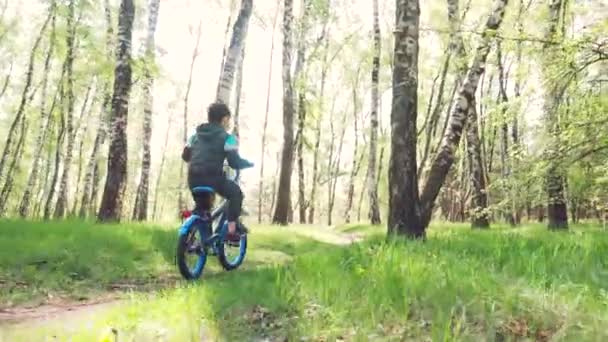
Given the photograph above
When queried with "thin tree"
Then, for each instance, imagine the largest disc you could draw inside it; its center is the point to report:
(59, 140)
(459, 114)
(62, 195)
(45, 119)
(234, 54)
(140, 210)
(354, 172)
(113, 194)
(92, 175)
(557, 211)
(283, 202)
(21, 112)
(300, 75)
(505, 168)
(195, 53)
(372, 185)
(226, 42)
(479, 204)
(161, 168)
(265, 125)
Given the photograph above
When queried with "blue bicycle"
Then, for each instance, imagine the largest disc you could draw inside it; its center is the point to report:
(204, 233)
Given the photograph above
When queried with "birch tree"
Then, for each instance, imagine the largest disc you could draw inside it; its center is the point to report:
(372, 184)
(283, 202)
(557, 211)
(140, 211)
(113, 194)
(45, 119)
(234, 53)
(10, 146)
(62, 198)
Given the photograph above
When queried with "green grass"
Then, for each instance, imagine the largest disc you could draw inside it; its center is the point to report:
(461, 285)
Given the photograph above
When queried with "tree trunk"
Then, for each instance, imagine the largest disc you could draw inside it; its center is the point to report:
(238, 91)
(284, 192)
(300, 152)
(372, 185)
(315, 173)
(239, 34)
(12, 132)
(404, 210)
(9, 184)
(7, 80)
(557, 211)
(59, 145)
(116, 182)
(479, 210)
(336, 168)
(225, 48)
(274, 186)
(161, 169)
(45, 119)
(62, 197)
(505, 167)
(301, 89)
(181, 199)
(81, 144)
(318, 134)
(88, 200)
(459, 114)
(356, 164)
(265, 126)
(140, 210)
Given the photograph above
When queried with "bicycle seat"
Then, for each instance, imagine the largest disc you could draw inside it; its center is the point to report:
(200, 190)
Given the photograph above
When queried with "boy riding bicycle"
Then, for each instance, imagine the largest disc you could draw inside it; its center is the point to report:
(206, 151)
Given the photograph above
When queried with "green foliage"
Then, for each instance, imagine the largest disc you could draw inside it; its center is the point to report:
(506, 284)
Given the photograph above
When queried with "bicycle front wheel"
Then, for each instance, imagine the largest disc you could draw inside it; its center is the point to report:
(231, 255)
(191, 251)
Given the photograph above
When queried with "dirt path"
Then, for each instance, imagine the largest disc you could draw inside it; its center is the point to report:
(71, 315)
(43, 314)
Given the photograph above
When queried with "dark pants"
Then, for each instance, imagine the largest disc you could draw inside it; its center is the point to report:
(222, 186)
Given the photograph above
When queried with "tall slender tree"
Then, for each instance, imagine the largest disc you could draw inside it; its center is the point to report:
(140, 211)
(10, 145)
(265, 124)
(195, 53)
(45, 119)
(62, 195)
(410, 214)
(283, 202)
(234, 53)
(557, 211)
(92, 177)
(459, 114)
(479, 203)
(404, 211)
(113, 194)
(372, 185)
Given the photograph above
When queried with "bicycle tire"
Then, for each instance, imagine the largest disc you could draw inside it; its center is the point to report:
(186, 231)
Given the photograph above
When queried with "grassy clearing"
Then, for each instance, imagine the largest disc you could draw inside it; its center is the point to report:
(459, 285)
(68, 261)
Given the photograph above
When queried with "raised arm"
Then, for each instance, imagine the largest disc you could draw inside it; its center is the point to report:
(231, 148)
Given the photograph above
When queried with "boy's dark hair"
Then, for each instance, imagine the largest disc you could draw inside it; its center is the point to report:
(217, 111)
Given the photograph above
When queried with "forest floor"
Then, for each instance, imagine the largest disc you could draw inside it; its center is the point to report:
(79, 281)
